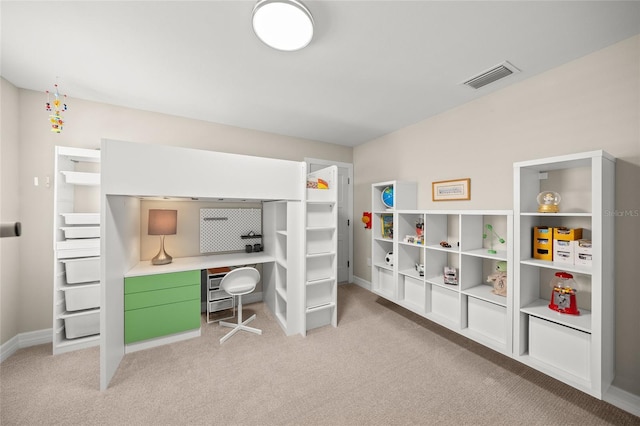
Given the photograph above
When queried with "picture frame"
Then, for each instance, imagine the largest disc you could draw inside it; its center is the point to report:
(451, 190)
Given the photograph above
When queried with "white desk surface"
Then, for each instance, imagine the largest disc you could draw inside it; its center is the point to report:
(180, 264)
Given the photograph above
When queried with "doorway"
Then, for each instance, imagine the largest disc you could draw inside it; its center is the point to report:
(345, 214)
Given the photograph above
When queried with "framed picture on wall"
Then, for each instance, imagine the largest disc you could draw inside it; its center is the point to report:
(451, 190)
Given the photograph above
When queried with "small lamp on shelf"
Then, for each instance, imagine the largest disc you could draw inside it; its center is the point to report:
(162, 222)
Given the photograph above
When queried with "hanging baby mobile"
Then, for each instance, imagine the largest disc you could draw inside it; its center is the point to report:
(56, 108)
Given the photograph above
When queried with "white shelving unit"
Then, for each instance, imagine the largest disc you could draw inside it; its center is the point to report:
(321, 248)
(301, 285)
(469, 307)
(383, 275)
(578, 350)
(76, 236)
(283, 240)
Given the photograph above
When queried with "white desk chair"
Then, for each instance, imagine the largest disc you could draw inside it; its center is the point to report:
(238, 282)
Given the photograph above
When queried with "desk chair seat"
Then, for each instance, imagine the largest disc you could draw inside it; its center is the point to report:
(239, 282)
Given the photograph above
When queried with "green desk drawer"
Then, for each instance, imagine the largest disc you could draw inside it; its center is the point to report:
(160, 281)
(163, 320)
(161, 297)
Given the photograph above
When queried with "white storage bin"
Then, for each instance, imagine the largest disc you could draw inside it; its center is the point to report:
(561, 347)
(81, 231)
(81, 178)
(82, 324)
(83, 270)
(445, 303)
(81, 218)
(385, 283)
(488, 319)
(82, 297)
(414, 293)
(78, 244)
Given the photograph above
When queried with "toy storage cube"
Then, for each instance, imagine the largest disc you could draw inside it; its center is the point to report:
(445, 303)
(414, 293)
(385, 282)
(561, 347)
(488, 319)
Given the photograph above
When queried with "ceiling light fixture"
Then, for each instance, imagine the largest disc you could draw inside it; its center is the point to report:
(283, 24)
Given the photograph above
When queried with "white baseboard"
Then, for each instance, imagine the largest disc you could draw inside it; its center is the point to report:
(624, 400)
(362, 283)
(24, 340)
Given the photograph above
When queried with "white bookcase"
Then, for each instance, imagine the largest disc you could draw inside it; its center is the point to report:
(576, 349)
(321, 249)
(404, 196)
(283, 239)
(470, 306)
(76, 239)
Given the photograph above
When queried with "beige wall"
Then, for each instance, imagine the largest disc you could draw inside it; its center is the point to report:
(29, 297)
(9, 211)
(591, 103)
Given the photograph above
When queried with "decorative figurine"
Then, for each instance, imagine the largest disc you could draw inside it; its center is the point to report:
(491, 230)
(548, 202)
(499, 279)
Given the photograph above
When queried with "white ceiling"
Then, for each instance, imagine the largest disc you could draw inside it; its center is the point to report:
(373, 66)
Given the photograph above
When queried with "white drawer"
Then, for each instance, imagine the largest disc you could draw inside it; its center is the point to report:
(218, 294)
(82, 270)
(561, 347)
(81, 231)
(488, 319)
(82, 297)
(80, 325)
(219, 305)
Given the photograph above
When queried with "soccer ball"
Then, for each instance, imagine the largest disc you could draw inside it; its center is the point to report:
(389, 258)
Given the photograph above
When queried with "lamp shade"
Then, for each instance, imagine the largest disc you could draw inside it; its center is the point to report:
(163, 222)
(283, 24)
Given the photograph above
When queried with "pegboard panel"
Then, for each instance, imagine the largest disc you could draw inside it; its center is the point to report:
(222, 229)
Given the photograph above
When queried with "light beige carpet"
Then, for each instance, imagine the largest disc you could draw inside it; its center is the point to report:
(380, 366)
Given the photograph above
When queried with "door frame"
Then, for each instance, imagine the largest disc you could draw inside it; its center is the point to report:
(349, 196)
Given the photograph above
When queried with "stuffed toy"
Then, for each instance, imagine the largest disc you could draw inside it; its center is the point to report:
(499, 279)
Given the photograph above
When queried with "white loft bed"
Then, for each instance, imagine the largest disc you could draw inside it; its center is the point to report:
(130, 171)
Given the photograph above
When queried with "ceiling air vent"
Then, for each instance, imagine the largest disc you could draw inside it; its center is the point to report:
(496, 73)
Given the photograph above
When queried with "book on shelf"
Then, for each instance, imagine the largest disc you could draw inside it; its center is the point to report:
(386, 225)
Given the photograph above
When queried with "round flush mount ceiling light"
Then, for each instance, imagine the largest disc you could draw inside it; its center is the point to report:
(283, 24)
